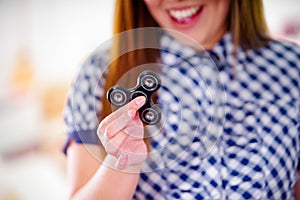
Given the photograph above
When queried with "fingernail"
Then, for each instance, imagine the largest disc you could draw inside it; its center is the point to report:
(131, 113)
(140, 100)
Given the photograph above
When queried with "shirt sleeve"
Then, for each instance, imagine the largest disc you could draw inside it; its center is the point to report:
(83, 105)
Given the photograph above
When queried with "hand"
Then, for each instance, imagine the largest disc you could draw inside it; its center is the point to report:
(121, 134)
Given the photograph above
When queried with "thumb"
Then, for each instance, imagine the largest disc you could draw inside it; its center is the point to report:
(135, 104)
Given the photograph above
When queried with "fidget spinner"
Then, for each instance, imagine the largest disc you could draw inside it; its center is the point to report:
(147, 83)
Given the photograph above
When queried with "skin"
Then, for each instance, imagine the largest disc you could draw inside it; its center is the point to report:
(121, 133)
(90, 181)
(206, 30)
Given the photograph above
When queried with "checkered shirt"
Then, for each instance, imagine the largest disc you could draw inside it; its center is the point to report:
(230, 126)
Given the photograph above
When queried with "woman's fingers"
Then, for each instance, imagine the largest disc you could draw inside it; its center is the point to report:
(114, 127)
(128, 150)
(116, 121)
(131, 152)
(124, 140)
(134, 131)
(114, 144)
(129, 109)
(121, 134)
(140, 154)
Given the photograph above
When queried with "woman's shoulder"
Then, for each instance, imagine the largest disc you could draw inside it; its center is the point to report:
(281, 53)
(285, 49)
(83, 104)
(88, 84)
(95, 64)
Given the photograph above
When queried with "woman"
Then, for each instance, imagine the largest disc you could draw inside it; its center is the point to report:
(231, 122)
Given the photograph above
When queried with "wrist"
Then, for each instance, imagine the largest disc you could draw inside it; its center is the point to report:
(111, 162)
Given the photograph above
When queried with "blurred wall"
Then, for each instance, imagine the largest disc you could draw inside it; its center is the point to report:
(55, 35)
(42, 45)
(283, 18)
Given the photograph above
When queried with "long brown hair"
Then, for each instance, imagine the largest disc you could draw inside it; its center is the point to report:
(245, 22)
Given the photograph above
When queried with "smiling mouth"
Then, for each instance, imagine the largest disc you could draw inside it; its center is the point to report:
(185, 15)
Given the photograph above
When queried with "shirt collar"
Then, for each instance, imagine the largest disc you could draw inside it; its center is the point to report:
(174, 52)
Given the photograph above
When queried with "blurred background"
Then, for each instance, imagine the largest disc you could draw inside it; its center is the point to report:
(42, 44)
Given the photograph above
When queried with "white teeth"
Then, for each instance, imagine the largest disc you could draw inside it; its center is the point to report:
(184, 13)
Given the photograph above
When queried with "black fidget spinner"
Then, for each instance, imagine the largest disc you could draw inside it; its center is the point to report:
(147, 83)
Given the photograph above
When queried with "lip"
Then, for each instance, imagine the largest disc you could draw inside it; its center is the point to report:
(188, 21)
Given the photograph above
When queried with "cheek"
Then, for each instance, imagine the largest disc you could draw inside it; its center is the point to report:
(154, 7)
(224, 9)
(218, 16)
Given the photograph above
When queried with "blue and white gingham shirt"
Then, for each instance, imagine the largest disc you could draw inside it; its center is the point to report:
(230, 126)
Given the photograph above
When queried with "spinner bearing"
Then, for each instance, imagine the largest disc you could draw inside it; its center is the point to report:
(147, 83)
